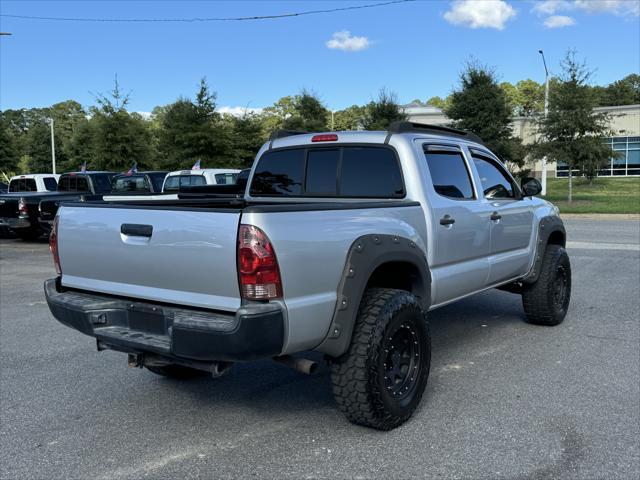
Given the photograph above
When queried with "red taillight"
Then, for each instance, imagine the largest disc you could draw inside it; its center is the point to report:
(22, 208)
(53, 245)
(327, 137)
(257, 265)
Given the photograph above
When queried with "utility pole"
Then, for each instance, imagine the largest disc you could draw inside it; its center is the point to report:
(53, 147)
(332, 122)
(546, 112)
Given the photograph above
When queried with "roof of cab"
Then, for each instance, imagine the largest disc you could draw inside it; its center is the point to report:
(286, 138)
(202, 171)
(36, 175)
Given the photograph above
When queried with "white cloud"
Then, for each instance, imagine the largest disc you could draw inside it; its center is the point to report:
(616, 7)
(480, 13)
(145, 115)
(345, 41)
(549, 7)
(238, 111)
(558, 21)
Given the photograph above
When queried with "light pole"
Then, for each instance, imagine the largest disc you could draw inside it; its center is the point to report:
(546, 112)
(53, 147)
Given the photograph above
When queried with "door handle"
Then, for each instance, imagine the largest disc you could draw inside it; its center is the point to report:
(447, 220)
(496, 216)
(136, 230)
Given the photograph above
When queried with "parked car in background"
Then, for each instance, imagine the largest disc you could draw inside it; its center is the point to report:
(20, 211)
(138, 183)
(36, 182)
(192, 178)
(4, 230)
(20, 187)
(181, 180)
(341, 243)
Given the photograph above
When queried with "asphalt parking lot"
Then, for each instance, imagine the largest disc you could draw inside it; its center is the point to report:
(505, 399)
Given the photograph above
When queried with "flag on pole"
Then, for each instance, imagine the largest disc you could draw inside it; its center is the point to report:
(196, 166)
(133, 169)
(83, 167)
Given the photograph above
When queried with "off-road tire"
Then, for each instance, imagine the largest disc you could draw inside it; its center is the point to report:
(365, 378)
(177, 372)
(546, 301)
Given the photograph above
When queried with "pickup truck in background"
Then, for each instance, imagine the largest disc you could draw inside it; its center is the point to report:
(191, 178)
(36, 182)
(140, 183)
(10, 201)
(73, 187)
(180, 181)
(10, 193)
(21, 211)
(341, 243)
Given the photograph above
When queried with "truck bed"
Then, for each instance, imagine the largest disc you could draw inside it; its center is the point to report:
(183, 252)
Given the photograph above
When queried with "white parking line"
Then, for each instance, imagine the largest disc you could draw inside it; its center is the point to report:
(604, 246)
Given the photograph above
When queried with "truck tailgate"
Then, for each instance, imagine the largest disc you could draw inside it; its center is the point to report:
(174, 255)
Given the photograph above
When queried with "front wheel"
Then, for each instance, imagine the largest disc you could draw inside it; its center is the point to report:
(380, 380)
(546, 301)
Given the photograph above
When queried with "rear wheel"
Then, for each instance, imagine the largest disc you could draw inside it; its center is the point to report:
(380, 380)
(546, 302)
(177, 372)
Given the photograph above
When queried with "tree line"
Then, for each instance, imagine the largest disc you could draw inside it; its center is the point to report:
(107, 136)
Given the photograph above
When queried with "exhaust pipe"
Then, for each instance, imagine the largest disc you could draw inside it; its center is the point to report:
(302, 365)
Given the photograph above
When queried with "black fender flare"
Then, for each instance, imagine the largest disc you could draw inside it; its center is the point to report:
(546, 227)
(365, 255)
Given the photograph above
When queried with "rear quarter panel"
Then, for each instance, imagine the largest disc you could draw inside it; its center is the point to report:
(312, 247)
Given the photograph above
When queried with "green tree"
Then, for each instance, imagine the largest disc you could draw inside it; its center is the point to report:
(572, 132)
(525, 98)
(38, 147)
(309, 114)
(67, 117)
(438, 102)
(247, 138)
(621, 92)
(482, 107)
(9, 153)
(120, 138)
(81, 147)
(192, 130)
(350, 118)
(382, 111)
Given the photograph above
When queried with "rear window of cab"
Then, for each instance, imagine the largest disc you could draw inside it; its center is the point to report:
(23, 185)
(340, 171)
(175, 182)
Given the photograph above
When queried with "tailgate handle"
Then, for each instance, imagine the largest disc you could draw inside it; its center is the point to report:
(136, 230)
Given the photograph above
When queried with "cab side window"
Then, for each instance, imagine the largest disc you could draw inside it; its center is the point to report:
(496, 183)
(449, 172)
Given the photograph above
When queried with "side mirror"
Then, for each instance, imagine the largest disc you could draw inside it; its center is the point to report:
(530, 186)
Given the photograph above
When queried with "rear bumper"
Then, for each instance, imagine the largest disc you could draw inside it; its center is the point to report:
(12, 222)
(255, 331)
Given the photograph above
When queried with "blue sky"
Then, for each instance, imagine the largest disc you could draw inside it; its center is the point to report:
(416, 49)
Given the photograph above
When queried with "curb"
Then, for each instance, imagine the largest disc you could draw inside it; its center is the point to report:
(601, 216)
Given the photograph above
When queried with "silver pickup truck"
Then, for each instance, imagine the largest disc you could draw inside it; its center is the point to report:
(341, 243)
